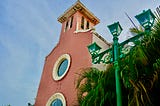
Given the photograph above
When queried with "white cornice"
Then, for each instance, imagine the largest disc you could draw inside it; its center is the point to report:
(78, 6)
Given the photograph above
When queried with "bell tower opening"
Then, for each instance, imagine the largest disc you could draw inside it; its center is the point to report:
(77, 19)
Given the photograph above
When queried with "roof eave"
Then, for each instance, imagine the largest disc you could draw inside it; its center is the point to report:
(78, 6)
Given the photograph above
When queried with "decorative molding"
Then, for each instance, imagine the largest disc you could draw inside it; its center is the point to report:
(87, 30)
(78, 6)
(56, 96)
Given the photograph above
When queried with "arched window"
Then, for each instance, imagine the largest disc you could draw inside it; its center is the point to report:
(71, 22)
(66, 26)
(82, 23)
(87, 25)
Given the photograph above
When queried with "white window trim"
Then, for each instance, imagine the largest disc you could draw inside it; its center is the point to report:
(57, 64)
(56, 96)
(69, 22)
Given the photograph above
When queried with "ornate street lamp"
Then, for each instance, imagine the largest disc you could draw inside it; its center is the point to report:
(115, 30)
(94, 49)
(146, 19)
(118, 51)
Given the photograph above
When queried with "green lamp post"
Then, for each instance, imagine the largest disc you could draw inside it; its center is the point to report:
(146, 19)
(94, 49)
(119, 50)
(115, 30)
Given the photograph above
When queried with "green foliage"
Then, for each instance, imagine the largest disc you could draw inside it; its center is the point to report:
(140, 71)
(134, 31)
(92, 87)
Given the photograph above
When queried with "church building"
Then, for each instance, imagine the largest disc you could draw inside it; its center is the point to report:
(62, 66)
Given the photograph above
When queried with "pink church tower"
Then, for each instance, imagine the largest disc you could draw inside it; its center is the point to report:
(62, 65)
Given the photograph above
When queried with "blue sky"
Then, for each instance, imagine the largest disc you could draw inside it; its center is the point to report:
(29, 30)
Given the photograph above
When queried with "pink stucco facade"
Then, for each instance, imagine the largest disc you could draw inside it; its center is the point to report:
(74, 44)
(73, 41)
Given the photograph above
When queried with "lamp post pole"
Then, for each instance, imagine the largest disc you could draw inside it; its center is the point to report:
(115, 30)
(117, 71)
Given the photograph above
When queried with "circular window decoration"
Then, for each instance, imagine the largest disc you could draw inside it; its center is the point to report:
(56, 100)
(61, 67)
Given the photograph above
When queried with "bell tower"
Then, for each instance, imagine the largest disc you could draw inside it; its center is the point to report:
(62, 66)
(77, 19)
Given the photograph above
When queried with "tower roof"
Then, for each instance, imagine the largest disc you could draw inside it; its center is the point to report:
(78, 6)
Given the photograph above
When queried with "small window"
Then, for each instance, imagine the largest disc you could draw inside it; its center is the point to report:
(56, 99)
(71, 22)
(62, 67)
(57, 102)
(87, 25)
(82, 23)
(66, 26)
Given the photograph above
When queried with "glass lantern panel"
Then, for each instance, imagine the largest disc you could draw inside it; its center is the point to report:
(94, 47)
(143, 20)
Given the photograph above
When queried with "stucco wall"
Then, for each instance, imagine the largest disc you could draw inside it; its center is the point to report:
(74, 44)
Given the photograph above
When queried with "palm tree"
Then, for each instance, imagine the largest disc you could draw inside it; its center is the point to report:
(140, 72)
(95, 87)
(140, 69)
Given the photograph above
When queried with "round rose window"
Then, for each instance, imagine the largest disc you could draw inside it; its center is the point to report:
(57, 102)
(56, 99)
(61, 66)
